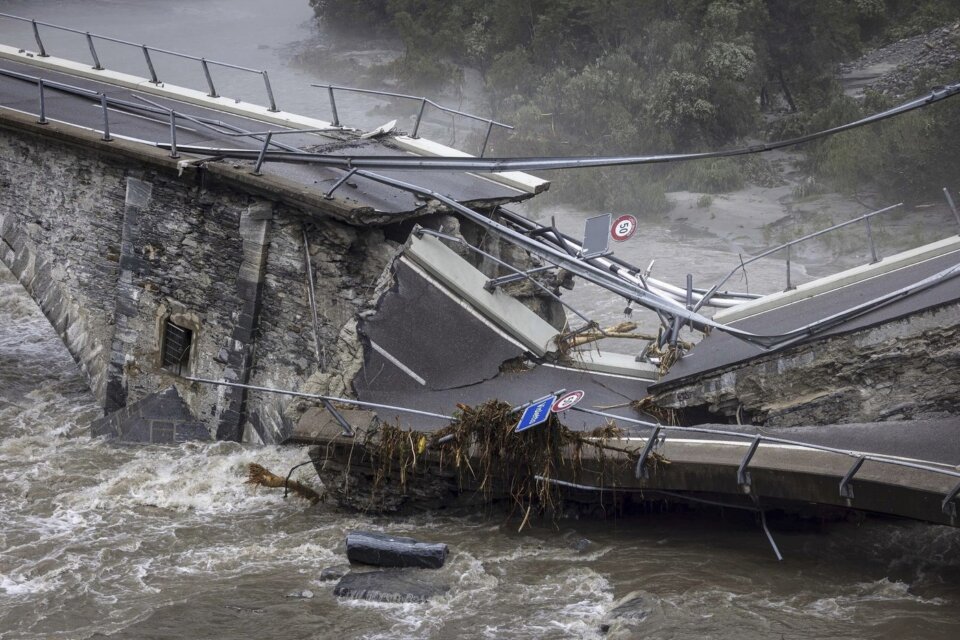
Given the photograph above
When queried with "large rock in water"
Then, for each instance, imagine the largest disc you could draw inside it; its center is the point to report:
(390, 585)
(624, 618)
(382, 550)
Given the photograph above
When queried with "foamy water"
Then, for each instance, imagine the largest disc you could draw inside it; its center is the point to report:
(168, 542)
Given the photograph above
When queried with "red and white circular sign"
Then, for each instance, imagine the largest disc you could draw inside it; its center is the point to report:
(566, 401)
(623, 227)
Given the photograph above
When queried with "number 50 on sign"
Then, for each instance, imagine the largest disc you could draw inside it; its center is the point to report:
(623, 227)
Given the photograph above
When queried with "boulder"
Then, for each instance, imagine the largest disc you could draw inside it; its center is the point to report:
(390, 585)
(335, 572)
(383, 550)
(624, 618)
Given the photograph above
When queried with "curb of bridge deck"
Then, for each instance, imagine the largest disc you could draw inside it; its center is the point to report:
(839, 280)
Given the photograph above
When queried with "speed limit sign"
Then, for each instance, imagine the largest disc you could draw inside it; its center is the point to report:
(623, 227)
(566, 401)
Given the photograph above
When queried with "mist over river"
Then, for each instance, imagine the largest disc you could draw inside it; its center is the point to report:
(99, 540)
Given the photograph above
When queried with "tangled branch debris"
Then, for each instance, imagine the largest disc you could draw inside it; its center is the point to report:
(487, 456)
(260, 476)
(624, 330)
(664, 414)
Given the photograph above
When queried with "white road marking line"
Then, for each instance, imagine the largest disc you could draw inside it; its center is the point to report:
(407, 370)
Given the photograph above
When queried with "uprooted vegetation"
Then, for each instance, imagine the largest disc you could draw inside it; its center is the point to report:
(482, 458)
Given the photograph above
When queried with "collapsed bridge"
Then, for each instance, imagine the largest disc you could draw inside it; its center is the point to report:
(176, 238)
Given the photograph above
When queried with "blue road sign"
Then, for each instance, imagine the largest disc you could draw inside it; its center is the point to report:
(536, 413)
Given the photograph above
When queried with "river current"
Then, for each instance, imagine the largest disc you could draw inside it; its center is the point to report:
(99, 540)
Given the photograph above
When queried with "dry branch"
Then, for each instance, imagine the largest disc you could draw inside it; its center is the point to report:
(262, 477)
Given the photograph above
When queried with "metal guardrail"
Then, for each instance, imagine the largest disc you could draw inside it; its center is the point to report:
(423, 105)
(205, 63)
(107, 103)
(657, 438)
(605, 277)
(787, 245)
(667, 306)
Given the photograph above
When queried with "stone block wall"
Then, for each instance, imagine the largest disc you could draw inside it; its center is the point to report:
(60, 227)
(347, 263)
(111, 245)
(904, 369)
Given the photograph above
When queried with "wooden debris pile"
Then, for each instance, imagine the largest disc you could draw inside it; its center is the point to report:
(486, 456)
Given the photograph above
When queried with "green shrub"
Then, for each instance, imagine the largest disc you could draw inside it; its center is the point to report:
(710, 176)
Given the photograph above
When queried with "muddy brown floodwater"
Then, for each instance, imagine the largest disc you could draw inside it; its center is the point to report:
(100, 540)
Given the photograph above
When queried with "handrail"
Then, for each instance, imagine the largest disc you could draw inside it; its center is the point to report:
(204, 62)
(317, 396)
(153, 107)
(786, 245)
(424, 101)
(667, 306)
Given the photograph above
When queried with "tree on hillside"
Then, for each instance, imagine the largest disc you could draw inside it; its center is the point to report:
(628, 76)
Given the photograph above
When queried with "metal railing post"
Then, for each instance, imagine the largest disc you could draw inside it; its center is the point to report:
(336, 185)
(789, 284)
(640, 471)
(173, 134)
(953, 207)
(486, 138)
(744, 479)
(416, 125)
(688, 302)
(106, 120)
(266, 83)
(333, 107)
(263, 153)
(93, 52)
(153, 72)
(206, 72)
(36, 36)
(873, 249)
(846, 489)
(43, 108)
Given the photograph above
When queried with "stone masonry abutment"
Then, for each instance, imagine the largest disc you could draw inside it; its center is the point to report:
(115, 241)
